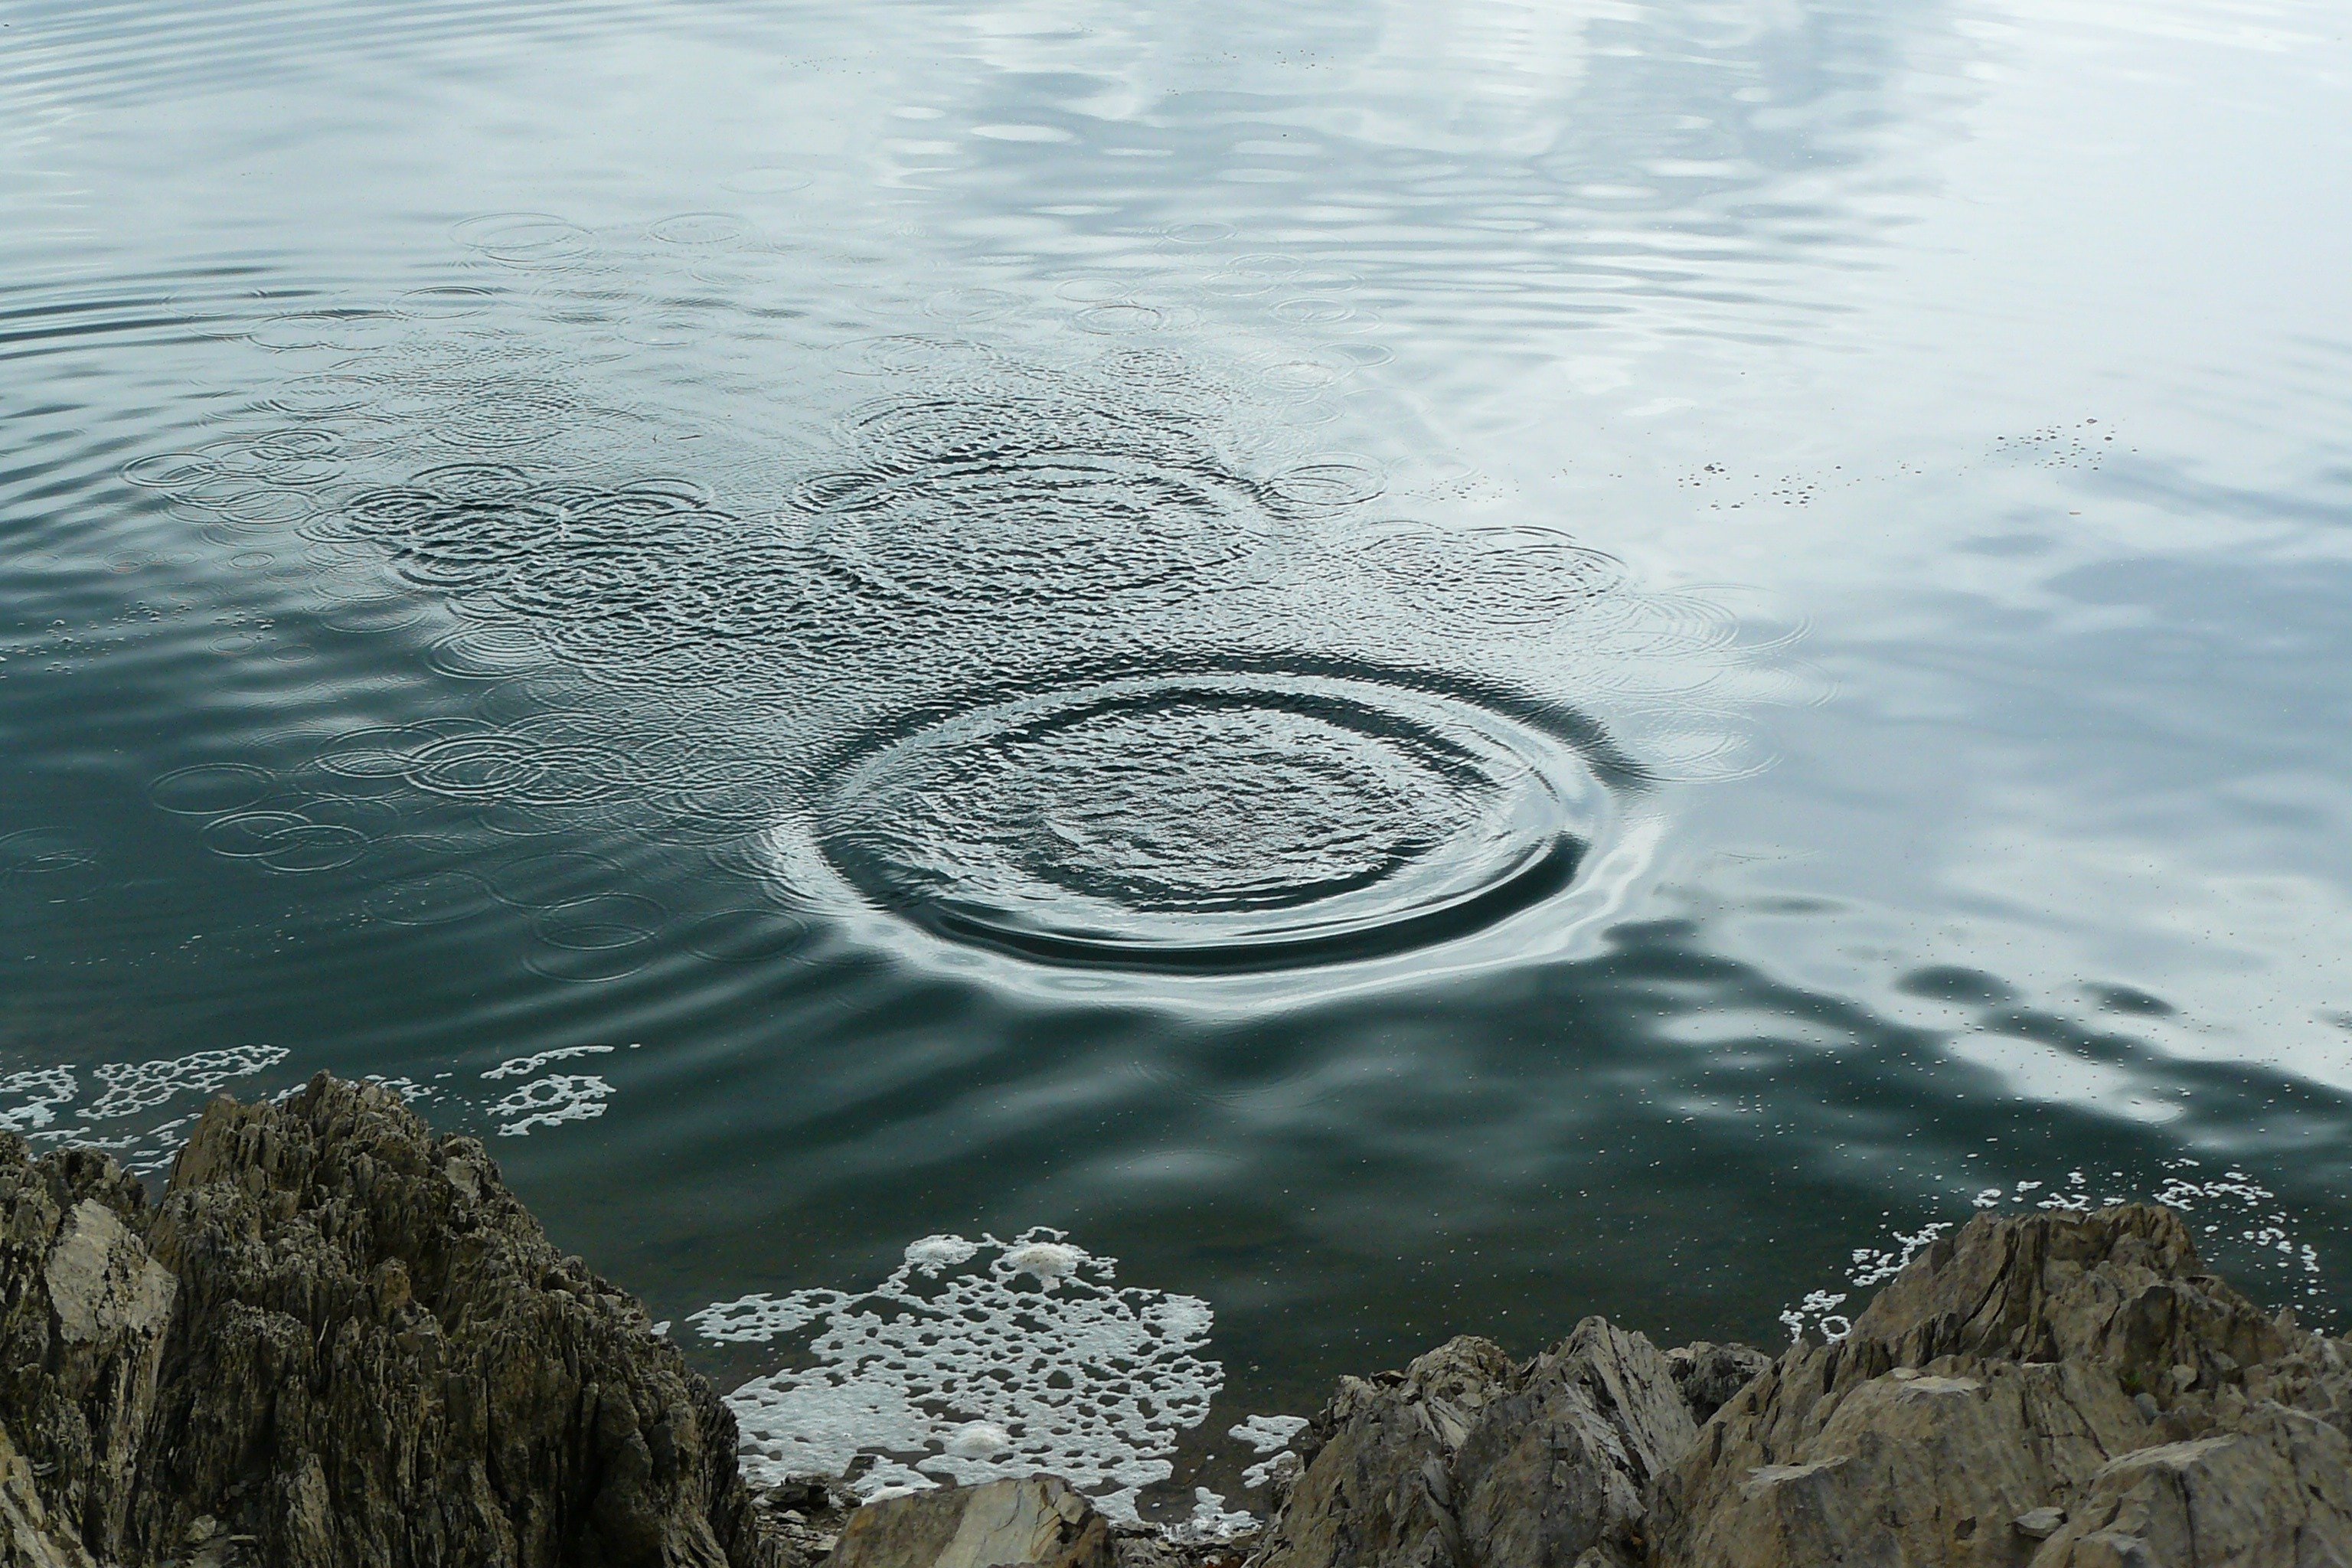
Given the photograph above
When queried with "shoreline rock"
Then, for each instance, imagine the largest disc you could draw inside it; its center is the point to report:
(338, 1342)
(337, 1339)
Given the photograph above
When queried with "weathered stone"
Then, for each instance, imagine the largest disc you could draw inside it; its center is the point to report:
(1038, 1522)
(1708, 1374)
(1467, 1459)
(28, 1538)
(1378, 1488)
(2278, 1490)
(2008, 1385)
(379, 1359)
(84, 1310)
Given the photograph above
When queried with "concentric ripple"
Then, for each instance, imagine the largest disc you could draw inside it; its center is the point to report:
(1215, 821)
(976, 503)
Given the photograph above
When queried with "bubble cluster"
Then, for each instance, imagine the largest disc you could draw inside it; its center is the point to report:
(550, 1101)
(977, 1359)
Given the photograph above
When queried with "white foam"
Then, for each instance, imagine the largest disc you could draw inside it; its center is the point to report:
(36, 1094)
(1270, 1437)
(550, 1101)
(1212, 1522)
(1265, 1434)
(523, 1066)
(977, 1359)
(134, 1086)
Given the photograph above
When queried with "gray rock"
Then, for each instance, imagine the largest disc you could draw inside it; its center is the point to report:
(84, 1311)
(1708, 1374)
(2039, 1523)
(2077, 1370)
(1466, 1461)
(379, 1358)
(2275, 1490)
(340, 1342)
(1038, 1521)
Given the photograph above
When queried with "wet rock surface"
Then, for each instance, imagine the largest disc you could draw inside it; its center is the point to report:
(338, 1340)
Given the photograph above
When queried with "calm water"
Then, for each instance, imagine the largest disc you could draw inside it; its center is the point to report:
(1421, 668)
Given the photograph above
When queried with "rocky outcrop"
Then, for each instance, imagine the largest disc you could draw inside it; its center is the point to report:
(339, 1341)
(1468, 1459)
(1039, 1520)
(2053, 1389)
(84, 1312)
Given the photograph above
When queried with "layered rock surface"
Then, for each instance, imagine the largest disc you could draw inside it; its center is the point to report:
(2053, 1390)
(2060, 1390)
(338, 1342)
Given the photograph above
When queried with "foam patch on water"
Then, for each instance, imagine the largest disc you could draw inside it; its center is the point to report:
(1270, 1437)
(50, 1108)
(134, 1086)
(29, 1100)
(36, 1102)
(550, 1101)
(976, 1359)
(523, 1066)
(2243, 1228)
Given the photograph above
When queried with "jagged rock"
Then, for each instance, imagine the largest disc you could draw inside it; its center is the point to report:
(1038, 1521)
(1467, 1460)
(1708, 1374)
(379, 1358)
(341, 1342)
(2048, 1388)
(83, 1314)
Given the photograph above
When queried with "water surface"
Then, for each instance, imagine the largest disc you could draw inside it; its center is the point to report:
(1422, 669)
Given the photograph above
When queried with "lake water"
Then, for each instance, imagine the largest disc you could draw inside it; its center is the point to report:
(1419, 667)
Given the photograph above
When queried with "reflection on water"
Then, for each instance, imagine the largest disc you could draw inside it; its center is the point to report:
(1423, 667)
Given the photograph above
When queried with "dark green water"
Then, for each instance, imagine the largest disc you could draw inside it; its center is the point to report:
(1419, 667)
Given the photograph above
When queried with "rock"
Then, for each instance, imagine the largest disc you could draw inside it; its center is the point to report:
(84, 1310)
(1038, 1521)
(380, 1358)
(2074, 1375)
(28, 1537)
(2276, 1489)
(2039, 1523)
(339, 1341)
(1467, 1459)
(1707, 1374)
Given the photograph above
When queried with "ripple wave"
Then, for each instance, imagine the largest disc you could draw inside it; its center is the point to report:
(1216, 821)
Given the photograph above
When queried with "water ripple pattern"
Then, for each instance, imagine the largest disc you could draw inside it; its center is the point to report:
(1090, 659)
(1214, 821)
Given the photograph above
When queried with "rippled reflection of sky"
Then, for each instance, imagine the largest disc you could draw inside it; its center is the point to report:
(1988, 359)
